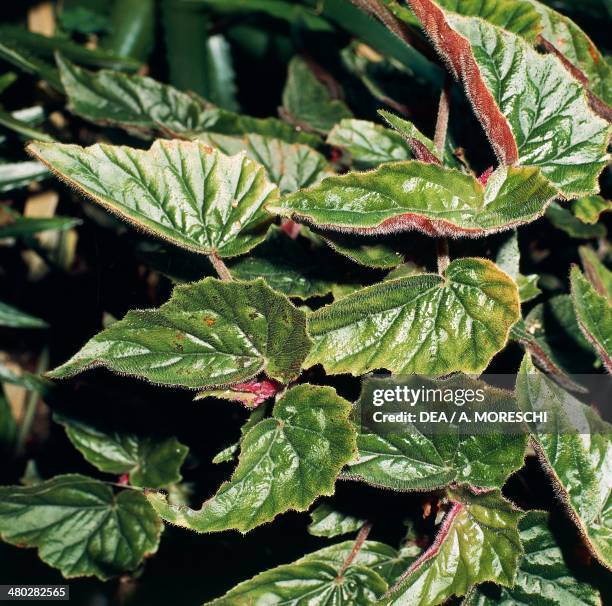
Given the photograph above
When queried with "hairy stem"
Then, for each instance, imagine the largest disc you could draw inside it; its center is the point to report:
(439, 142)
(359, 541)
(30, 410)
(220, 267)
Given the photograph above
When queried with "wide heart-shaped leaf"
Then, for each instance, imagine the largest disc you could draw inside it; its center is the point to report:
(79, 525)
(150, 461)
(286, 462)
(522, 98)
(594, 313)
(477, 541)
(317, 578)
(424, 324)
(543, 577)
(327, 522)
(143, 106)
(180, 191)
(209, 333)
(411, 195)
(290, 165)
(15, 318)
(307, 103)
(413, 459)
(589, 208)
(577, 455)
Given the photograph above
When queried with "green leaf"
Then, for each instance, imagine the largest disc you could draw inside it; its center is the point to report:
(17, 225)
(150, 461)
(380, 253)
(14, 318)
(143, 106)
(17, 122)
(477, 541)
(577, 455)
(597, 273)
(44, 47)
(435, 200)
(297, 268)
(564, 220)
(290, 165)
(594, 313)
(8, 426)
(368, 143)
(410, 459)
(424, 324)
(210, 333)
(286, 462)
(528, 287)
(29, 63)
(20, 174)
(522, 98)
(543, 578)
(307, 102)
(508, 259)
(325, 521)
(310, 580)
(577, 48)
(132, 29)
(589, 208)
(79, 525)
(383, 559)
(180, 191)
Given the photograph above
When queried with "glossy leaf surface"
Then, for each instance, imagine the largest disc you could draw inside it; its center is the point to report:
(428, 198)
(285, 463)
(577, 456)
(425, 324)
(327, 522)
(543, 577)
(209, 333)
(180, 191)
(79, 525)
(410, 459)
(477, 541)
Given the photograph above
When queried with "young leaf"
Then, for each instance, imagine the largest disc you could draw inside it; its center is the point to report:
(577, 456)
(79, 525)
(20, 174)
(380, 253)
(563, 219)
(477, 541)
(180, 191)
(143, 106)
(327, 522)
(307, 102)
(286, 462)
(412, 460)
(597, 273)
(522, 98)
(424, 324)
(292, 267)
(432, 199)
(209, 333)
(589, 208)
(150, 462)
(14, 318)
(291, 166)
(594, 313)
(368, 143)
(543, 577)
